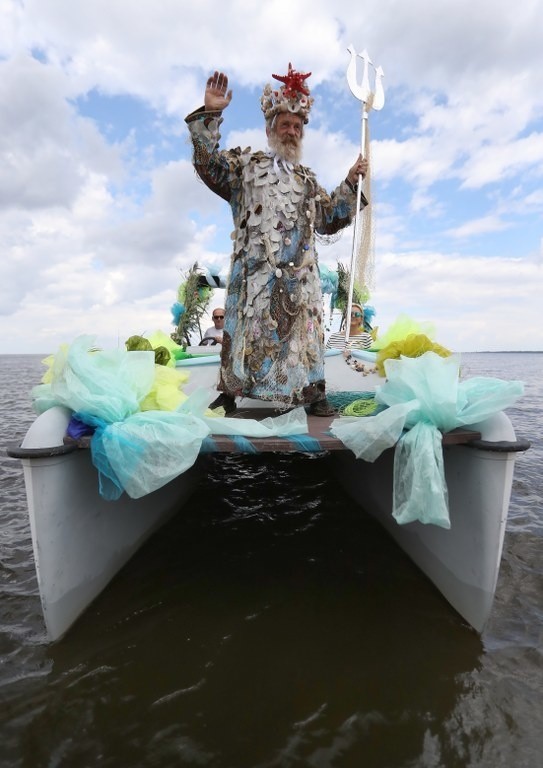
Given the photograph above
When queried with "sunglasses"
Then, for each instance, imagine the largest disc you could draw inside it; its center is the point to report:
(218, 317)
(357, 314)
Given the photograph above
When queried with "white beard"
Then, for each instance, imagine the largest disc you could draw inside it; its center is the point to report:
(289, 149)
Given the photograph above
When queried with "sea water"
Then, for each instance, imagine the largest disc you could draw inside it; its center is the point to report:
(273, 623)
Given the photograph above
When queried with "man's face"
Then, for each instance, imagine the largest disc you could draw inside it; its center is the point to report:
(288, 127)
(218, 318)
(285, 137)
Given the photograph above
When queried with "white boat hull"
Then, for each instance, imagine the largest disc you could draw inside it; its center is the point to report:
(81, 541)
(339, 376)
(464, 561)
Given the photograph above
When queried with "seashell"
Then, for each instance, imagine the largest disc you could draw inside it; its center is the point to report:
(278, 273)
(288, 241)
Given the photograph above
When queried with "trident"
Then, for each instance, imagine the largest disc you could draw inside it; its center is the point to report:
(369, 100)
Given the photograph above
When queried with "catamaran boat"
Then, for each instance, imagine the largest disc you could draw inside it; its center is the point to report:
(81, 539)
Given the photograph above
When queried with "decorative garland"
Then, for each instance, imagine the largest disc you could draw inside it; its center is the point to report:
(193, 297)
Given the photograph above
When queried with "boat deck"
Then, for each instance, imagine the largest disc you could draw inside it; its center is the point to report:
(318, 439)
(318, 432)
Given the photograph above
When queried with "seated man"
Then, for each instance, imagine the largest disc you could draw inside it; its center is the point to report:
(214, 335)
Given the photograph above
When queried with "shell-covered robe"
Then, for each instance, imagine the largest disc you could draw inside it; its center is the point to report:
(273, 341)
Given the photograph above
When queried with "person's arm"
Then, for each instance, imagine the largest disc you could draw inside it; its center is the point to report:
(211, 164)
(336, 211)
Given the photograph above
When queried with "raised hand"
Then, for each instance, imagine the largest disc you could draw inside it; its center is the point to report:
(217, 95)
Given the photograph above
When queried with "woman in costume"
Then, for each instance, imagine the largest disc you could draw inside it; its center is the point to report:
(358, 337)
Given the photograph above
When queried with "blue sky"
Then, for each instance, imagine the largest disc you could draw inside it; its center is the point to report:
(100, 212)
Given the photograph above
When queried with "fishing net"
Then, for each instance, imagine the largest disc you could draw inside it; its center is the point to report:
(353, 403)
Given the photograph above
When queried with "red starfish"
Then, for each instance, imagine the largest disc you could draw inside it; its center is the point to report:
(294, 82)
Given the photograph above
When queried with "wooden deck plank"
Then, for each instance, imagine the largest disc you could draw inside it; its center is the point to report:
(318, 429)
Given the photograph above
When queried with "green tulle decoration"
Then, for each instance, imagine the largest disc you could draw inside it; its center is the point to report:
(138, 344)
(162, 356)
(141, 344)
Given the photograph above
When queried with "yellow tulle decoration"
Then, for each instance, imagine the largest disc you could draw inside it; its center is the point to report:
(161, 339)
(49, 362)
(56, 362)
(413, 345)
(165, 394)
(402, 327)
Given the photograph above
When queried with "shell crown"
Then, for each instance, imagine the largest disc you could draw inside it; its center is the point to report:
(293, 96)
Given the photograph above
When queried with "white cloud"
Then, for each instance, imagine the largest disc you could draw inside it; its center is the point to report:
(474, 304)
(100, 208)
(479, 226)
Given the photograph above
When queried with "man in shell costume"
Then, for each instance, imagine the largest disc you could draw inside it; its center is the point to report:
(273, 342)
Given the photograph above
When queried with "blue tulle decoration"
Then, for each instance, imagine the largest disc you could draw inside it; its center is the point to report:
(77, 428)
(242, 444)
(369, 314)
(306, 443)
(329, 281)
(177, 310)
(208, 445)
(109, 485)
